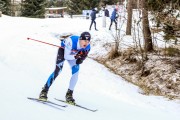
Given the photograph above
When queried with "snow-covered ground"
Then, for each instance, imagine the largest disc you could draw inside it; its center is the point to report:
(26, 65)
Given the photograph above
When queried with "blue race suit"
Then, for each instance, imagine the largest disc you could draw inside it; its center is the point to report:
(69, 48)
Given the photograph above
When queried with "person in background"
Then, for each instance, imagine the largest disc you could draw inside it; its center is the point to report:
(93, 18)
(106, 12)
(74, 49)
(113, 18)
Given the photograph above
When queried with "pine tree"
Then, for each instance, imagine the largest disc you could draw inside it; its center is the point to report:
(55, 3)
(164, 11)
(2, 5)
(160, 5)
(111, 2)
(76, 6)
(5, 7)
(33, 8)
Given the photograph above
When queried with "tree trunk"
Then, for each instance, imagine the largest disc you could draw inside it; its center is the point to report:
(146, 30)
(129, 20)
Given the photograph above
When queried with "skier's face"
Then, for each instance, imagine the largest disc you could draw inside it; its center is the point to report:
(83, 43)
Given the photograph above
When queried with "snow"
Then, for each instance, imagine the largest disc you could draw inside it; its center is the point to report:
(26, 65)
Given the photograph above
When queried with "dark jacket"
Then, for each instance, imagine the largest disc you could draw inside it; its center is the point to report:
(107, 13)
(93, 14)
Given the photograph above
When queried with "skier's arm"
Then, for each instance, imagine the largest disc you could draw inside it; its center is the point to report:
(68, 50)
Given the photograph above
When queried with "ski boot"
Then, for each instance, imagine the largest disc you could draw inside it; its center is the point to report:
(69, 97)
(43, 94)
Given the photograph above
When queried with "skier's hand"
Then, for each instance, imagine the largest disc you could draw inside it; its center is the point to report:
(81, 54)
(79, 61)
(77, 56)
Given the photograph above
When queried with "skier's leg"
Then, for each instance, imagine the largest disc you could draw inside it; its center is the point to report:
(73, 81)
(59, 66)
(110, 25)
(95, 25)
(58, 69)
(91, 24)
(75, 72)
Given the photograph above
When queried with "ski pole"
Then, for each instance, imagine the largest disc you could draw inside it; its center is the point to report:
(44, 42)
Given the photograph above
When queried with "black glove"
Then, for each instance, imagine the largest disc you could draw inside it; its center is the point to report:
(79, 61)
(77, 56)
(81, 54)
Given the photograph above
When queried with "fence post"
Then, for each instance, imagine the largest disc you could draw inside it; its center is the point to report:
(103, 17)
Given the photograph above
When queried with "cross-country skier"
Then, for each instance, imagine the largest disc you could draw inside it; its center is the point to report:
(74, 49)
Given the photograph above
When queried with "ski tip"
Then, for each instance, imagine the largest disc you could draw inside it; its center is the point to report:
(77, 105)
(43, 100)
(29, 98)
(94, 110)
(65, 106)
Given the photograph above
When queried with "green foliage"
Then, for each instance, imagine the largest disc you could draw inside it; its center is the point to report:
(33, 8)
(170, 51)
(5, 7)
(55, 3)
(169, 32)
(165, 15)
(76, 6)
(111, 2)
(156, 5)
(160, 5)
(2, 5)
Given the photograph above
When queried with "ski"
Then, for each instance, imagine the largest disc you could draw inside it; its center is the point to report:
(46, 102)
(77, 105)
